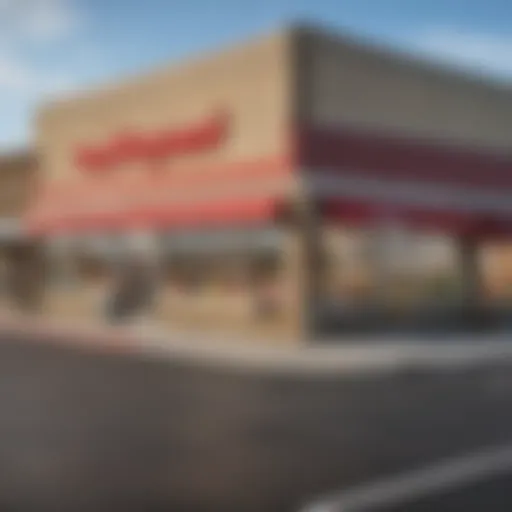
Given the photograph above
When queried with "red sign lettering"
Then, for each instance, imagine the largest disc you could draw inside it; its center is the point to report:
(130, 147)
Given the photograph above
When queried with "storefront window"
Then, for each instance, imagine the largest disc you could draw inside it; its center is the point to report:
(496, 260)
(266, 285)
(390, 269)
(227, 274)
(426, 272)
(82, 266)
(93, 269)
(349, 274)
(61, 269)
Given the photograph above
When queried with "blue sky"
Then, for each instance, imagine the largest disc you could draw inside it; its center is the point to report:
(52, 46)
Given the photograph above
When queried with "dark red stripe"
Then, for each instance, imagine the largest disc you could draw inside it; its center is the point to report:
(379, 155)
(441, 220)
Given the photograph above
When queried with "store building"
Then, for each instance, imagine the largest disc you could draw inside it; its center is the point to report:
(20, 257)
(290, 185)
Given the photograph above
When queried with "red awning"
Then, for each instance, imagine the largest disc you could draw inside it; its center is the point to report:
(194, 214)
(203, 195)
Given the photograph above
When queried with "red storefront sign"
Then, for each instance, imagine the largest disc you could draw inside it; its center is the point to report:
(132, 146)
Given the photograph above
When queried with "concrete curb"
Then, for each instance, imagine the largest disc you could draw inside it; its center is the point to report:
(240, 355)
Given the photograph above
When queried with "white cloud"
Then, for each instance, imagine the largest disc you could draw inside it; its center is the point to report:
(24, 79)
(51, 20)
(46, 23)
(12, 74)
(38, 21)
(487, 53)
(32, 35)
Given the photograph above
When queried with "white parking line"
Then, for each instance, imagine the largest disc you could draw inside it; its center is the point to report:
(446, 475)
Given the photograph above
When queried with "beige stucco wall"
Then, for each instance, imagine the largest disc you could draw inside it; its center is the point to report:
(251, 81)
(370, 88)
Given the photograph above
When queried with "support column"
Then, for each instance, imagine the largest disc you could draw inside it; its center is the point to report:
(66, 267)
(63, 297)
(143, 250)
(471, 281)
(380, 257)
(304, 255)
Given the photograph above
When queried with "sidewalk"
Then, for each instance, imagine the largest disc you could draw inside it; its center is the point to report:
(140, 335)
(343, 355)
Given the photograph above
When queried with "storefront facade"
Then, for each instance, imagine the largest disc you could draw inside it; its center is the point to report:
(190, 168)
(411, 169)
(286, 186)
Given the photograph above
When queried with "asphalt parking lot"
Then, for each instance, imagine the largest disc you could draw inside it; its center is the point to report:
(492, 494)
(91, 432)
(471, 482)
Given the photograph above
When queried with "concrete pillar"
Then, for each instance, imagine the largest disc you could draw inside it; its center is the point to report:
(65, 266)
(471, 280)
(143, 247)
(381, 268)
(304, 257)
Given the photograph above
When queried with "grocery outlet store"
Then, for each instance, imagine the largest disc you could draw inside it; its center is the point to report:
(295, 184)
